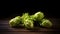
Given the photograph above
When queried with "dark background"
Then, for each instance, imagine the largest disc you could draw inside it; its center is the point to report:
(10, 8)
(17, 7)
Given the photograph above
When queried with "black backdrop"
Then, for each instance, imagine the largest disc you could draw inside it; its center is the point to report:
(17, 7)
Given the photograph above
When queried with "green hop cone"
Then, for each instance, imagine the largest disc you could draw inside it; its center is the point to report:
(32, 17)
(46, 23)
(28, 23)
(15, 22)
(24, 17)
(38, 16)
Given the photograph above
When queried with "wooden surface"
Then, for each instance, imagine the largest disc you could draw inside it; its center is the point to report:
(6, 29)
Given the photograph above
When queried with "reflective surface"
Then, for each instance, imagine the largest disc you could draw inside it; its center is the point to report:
(6, 29)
